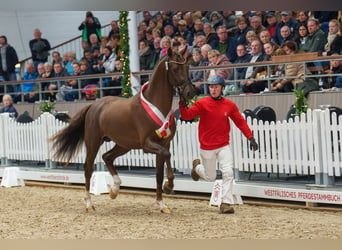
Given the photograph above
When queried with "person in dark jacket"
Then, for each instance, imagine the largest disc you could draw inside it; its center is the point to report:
(8, 60)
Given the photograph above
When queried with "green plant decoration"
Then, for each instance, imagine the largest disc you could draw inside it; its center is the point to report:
(124, 56)
(47, 106)
(300, 104)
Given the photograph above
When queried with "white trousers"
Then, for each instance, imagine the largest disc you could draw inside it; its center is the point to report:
(207, 169)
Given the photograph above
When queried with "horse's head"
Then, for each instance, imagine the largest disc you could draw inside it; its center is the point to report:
(177, 67)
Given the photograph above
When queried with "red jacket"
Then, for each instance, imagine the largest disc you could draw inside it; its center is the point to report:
(214, 125)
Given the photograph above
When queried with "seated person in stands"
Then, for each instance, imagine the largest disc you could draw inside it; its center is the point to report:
(115, 81)
(8, 106)
(291, 69)
(89, 86)
(57, 88)
(28, 88)
(335, 68)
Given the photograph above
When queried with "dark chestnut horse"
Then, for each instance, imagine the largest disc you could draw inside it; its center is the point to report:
(144, 121)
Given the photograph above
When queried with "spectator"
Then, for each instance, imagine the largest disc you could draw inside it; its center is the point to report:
(237, 73)
(316, 39)
(147, 17)
(333, 81)
(71, 58)
(261, 72)
(271, 22)
(27, 88)
(210, 35)
(90, 25)
(115, 81)
(39, 48)
(250, 37)
(183, 31)
(108, 60)
(71, 93)
(8, 106)
(218, 59)
(285, 35)
(88, 56)
(198, 76)
(48, 73)
(103, 43)
(90, 85)
(255, 23)
(324, 17)
(257, 56)
(165, 44)
(334, 29)
(58, 88)
(8, 60)
(94, 41)
(264, 36)
(114, 28)
(204, 52)
(114, 42)
(227, 45)
(241, 31)
(229, 19)
(286, 19)
(144, 55)
(56, 57)
(302, 36)
(291, 70)
(198, 28)
(216, 20)
(169, 31)
(155, 54)
(303, 17)
(199, 41)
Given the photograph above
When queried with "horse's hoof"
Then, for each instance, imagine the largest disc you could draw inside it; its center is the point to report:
(90, 209)
(112, 194)
(165, 210)
(167, 190)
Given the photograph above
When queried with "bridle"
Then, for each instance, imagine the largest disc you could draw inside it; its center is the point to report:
(179, 85)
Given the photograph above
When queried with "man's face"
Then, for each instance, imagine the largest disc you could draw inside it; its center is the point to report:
(215, 90)
(222, 34)
(312, 26)
(241, 51)
(256, 47)
(335, 63)
(2, 41)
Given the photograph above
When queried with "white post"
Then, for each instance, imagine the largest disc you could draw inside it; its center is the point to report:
(134, 51)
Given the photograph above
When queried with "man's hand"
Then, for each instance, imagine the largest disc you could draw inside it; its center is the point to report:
(253, 145)
(182, 102)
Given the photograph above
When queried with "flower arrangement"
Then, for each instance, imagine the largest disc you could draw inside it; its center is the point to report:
(47, 106)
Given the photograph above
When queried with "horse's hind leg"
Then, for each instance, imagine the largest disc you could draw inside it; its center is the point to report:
(109, 158)
(92, 149)
(168, 185)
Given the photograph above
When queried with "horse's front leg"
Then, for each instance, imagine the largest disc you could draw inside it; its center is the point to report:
(159, 178)
(162, 155)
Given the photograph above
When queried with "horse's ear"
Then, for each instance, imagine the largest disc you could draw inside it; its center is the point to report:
(170, 52)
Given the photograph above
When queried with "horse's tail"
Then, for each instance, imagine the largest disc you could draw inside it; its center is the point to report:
(69, 140)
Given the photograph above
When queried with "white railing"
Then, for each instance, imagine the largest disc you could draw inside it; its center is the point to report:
(307, 146)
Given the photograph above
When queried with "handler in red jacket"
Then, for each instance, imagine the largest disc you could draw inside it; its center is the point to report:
(213, 133)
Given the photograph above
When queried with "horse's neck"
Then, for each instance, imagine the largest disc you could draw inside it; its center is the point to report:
(160, 93)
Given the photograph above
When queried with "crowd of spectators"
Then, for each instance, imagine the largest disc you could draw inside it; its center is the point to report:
(211, 38)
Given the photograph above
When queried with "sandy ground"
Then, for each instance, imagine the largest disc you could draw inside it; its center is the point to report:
(57, 213)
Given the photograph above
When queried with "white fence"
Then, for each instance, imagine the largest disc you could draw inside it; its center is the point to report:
(307, 146)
